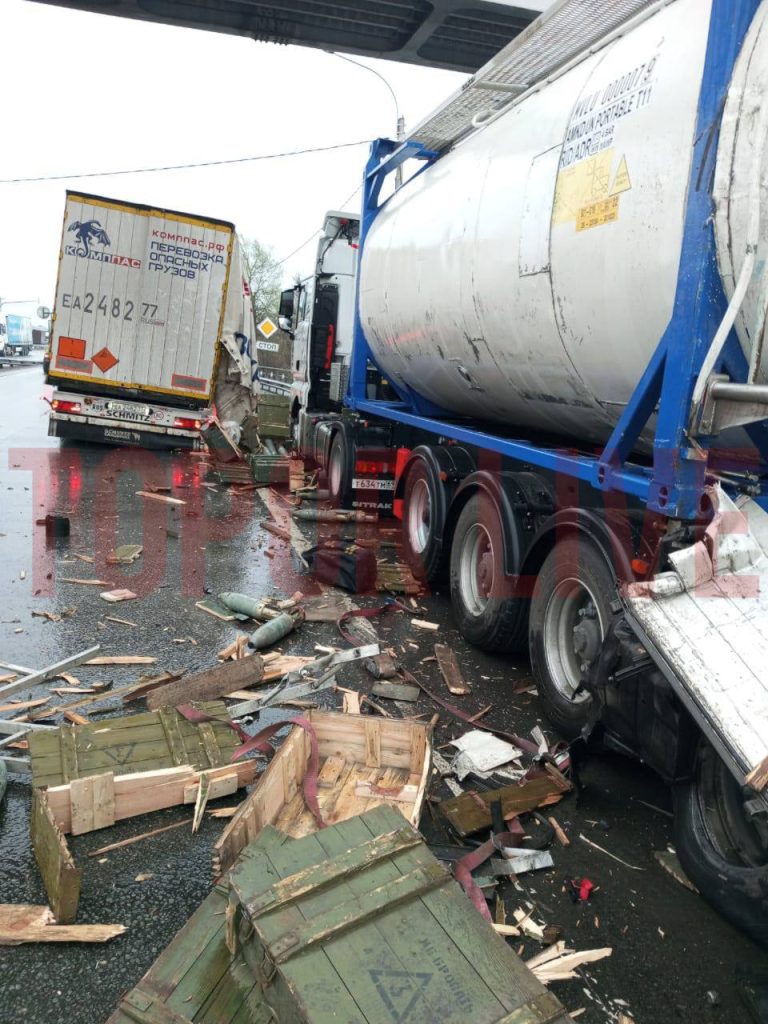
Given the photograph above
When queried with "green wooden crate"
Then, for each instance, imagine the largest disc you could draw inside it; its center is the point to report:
(360, 924)
(134, 743)
(196, 979)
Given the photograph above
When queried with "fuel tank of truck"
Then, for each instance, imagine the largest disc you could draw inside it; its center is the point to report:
(528, 275)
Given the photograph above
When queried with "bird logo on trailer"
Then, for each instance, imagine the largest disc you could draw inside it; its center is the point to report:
(90, 231)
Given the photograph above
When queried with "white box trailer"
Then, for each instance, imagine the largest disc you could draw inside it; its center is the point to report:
(144, 298)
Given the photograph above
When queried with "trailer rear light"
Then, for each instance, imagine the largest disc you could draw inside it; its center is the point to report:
(372, 466)
(59, 405)
(187, 424)
(640, 567)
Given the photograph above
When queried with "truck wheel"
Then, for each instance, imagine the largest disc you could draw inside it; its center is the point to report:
(487, 612)
(723, 851)
(338, 471)
(570, 615)
(422, 529)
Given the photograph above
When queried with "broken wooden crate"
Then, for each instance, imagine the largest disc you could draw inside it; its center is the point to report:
(195, 979)
(471, 812)
(360, 923)
(135, 743)
(98, 801)
(273, 413)
(364, 762)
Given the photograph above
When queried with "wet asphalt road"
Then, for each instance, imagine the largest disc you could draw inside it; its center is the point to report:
(669, 949)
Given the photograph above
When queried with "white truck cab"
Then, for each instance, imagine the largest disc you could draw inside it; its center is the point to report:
(319, 314)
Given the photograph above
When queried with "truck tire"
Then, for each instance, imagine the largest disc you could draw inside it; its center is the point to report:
(720, 849)
(422, 528)
(339, 481)
(570, 615)
(488, 613)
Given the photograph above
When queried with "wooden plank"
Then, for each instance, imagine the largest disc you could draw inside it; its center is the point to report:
(24, 922)
(144, 792)
(372, 743)
(60, 875)
(450, 671)
(398, 794)
(359, 909)
(329, 774)
(214, 682)
(92, 803)
(329, 872)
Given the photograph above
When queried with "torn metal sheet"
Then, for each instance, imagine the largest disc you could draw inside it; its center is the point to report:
(706, 625)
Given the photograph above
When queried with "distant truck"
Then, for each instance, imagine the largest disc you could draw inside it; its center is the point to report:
(18, 337)
(144, 299)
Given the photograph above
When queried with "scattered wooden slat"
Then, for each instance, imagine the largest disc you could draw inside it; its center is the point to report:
(24, 922)
(85, 583)
(608, 853)
(121, 622)
(97, 801)
(399, 794)
(480, 714)
(64, 690)
(351, 702)
(72, 716)
(139, 838)
(758, 777)
(123, 659)
(423, 624)
(505, 929)
(60, 875)
(22, 705)
(669, 861)
(562, 838)
(329, 774)
(214, 682)
(160, 497)
(116, 596)
(450, 671)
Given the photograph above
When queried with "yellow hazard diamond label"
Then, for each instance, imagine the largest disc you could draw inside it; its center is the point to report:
(267, 327)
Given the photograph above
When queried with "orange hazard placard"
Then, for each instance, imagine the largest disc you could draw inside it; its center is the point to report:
(71, 348)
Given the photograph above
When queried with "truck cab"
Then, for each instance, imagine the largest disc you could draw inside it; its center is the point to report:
(319, 313)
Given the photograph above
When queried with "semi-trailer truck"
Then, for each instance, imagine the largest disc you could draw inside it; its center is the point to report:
(555, 375)
(151, 317)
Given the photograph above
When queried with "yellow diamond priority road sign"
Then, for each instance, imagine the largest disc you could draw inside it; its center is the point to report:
(267, 327)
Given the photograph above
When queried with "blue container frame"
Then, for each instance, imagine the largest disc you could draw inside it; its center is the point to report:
(674, 484)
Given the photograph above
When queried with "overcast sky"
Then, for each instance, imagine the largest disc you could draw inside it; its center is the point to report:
(87, 92)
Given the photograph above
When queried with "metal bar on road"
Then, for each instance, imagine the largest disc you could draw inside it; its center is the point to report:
(43, 674)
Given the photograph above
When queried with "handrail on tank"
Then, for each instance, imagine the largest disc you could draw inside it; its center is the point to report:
(674, 485)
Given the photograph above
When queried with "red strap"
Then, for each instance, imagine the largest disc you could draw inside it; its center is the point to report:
(259, 742)
(309, 784)
(463, 869)
(330, 346)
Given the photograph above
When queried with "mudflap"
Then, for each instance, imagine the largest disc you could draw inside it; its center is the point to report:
(705, 624)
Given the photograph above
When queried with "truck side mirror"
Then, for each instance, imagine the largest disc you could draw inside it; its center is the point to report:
(285, 323)
(286, 306)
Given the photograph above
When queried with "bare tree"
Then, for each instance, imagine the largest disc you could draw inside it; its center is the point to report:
(263, 274)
